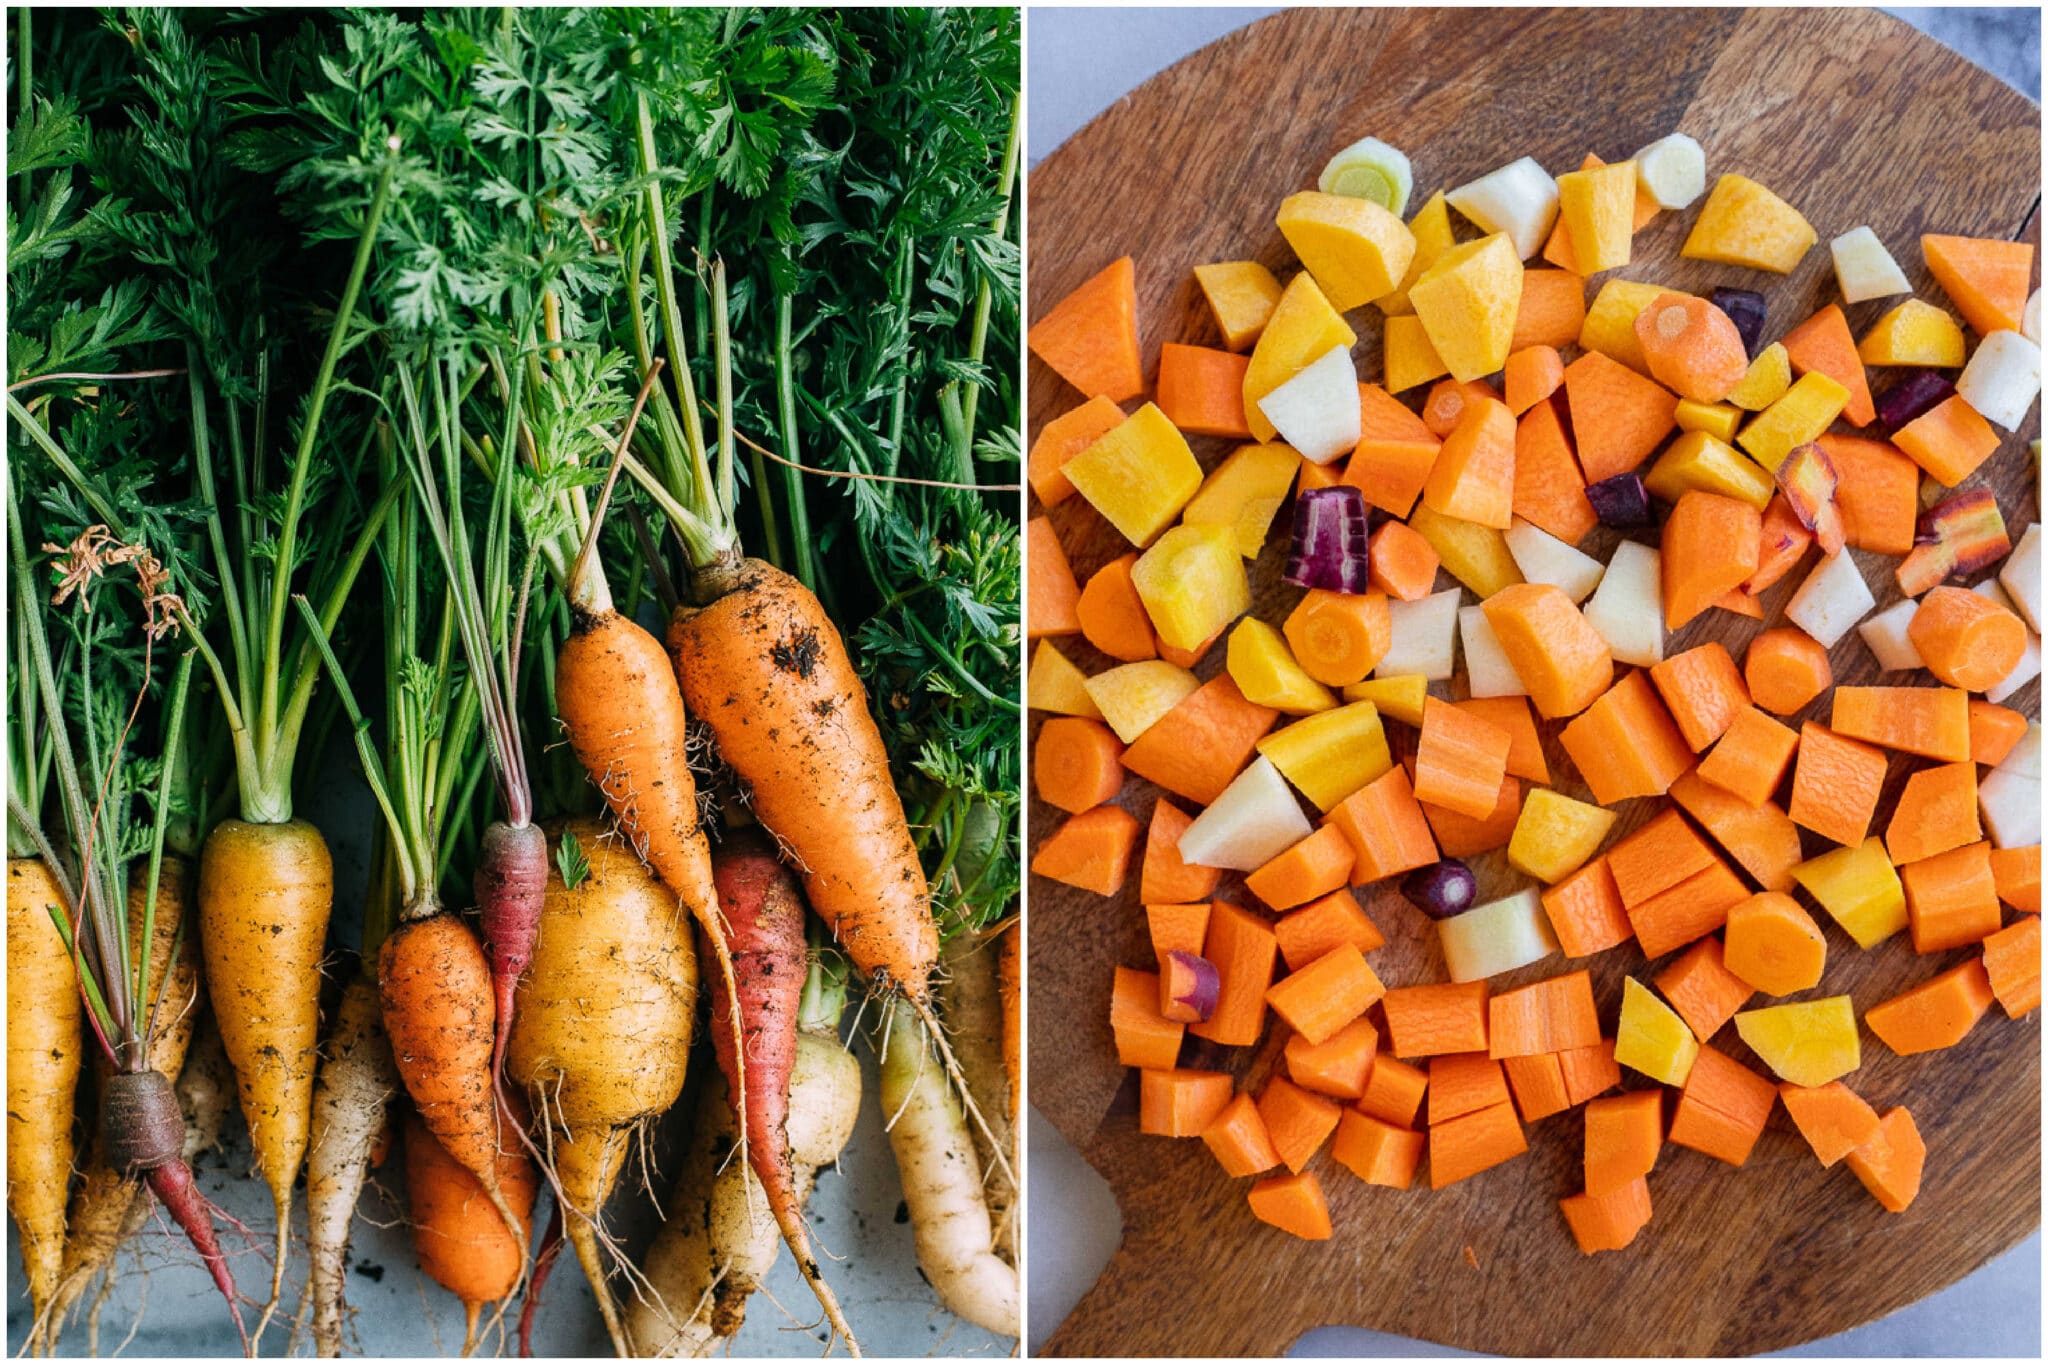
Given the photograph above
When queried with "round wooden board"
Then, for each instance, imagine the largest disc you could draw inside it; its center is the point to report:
(1856, 119)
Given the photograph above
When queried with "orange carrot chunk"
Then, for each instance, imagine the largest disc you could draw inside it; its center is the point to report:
(2012, 963)
(1448, 400)
(1091, 851)
(1877, 491)
(1692, 348)
(1532, 375)
(1195, 749)
(1933, 722)
(1386, 827)
(1460, 759)
(1237, 1135)
(1337, 1066)
(1949, 440)
(2016, 873)
(1823, 344)
(1935, 1014)
(1703, 691)
(1550, 492)
(1426, 1021)
(1090, 337)
(1201, 390)
(1075, 764)
(1835, 784)
(1657, 857)
(1586, 912)
(1293, 1203)
(1608, 1222)
(1782, 540)
(1339, 637)
(1936, 812)
(1402, 564)
(1525, 742)
(1751, 757)
(1589, 1071)
(1762, 838)
(1538, 1085)
(1951, 898)
(1618, 417)
(1180, 1103)
(1626, 744)
(1463, 1083)
(1314, 867)
(1985, 277)
(1711, 544)
(1325, 923)
(1061, 439)
(1113, 617)
(1966, 639)
(1394, 454)
(1053, 595)
(1473, 478)
(1144, 1037)
(1298, 1121)
(1554, 650)
(1723, 1108)
(1327, 994)
(1624, 1134)
(1552, 309)
(1242, 948)
(1889, 1165)
(1774, 945)
(1785, 669)
(1543, 1017)
(1690, 910)
(1471, 1143)
(1164, 878)
(1377, 1152)
(1700, 987)
(1461, 836)
(1394, 1091)
(1833, 1119)
(1994, 730)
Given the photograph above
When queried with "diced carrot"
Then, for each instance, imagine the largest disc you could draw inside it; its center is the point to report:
(1333, 920)
(1782, 540)
(1751, 757)
(1710, 545)
(1552, 309)
(1774, 945)
(1316, 866)
(1554, 650)
(1339, 637)
(1525, 744)
(1608, 1222)
(1377, 1152)
(1473, 478)
(1833, 1119)
(1461, 836)
(1241, 296)
(1315, 475)
(1823, 343)
(1195, 749)
(1424, 1021)
(1589, 1071)
(1241, 947)
(1741, 603)
(1951, 898)
(1091, 850)
(1327, 994)
(1090, 337)
(1180, 1103)
(1624, 1133)
(2012, 963)
(1394, 1091)
(1403, 564)
(1386, 827)
(1937, 811)
(1985, 277)
(1690, 910)
(1835, 783)
(1935, 1014)
(1618, 417)
(1538, 1085)
(1463, 1083)
(1112, 616)
(1448, 401)
(1965, 639)
(1949, 440)
(1626, 743)
(1703, 690)
(1553, 1015)
(1238, 1137)
(1657, 857)
(1061, 439)
(1700, 987)
(1394, 455)
(1692, 348)
(1075, 763)
(1293, 1203)
(1144, 1037)
(1460, 759)
(1933, 722)
(1201, 391)
(1994, 730)
(1532, 375)
(1761, 839)
(1054, 595)
(1586, 913)
(1889, 1165)
(1877, 491)
(1785, 669)
(1338, 1065)
(1723, 1108)
(1177, 928)
(1180, 981)
(1164, 878)
(2016, 872)
(1550, 492)
(1297, 1121)
(1471, 1143)
(1187, 658)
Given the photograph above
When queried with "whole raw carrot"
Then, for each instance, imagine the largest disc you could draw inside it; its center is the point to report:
(463, 1242)
(350, 1103)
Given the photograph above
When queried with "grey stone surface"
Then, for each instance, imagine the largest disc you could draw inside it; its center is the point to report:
(1081, 61)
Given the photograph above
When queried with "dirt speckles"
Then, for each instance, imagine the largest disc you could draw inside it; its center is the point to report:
(799, 653)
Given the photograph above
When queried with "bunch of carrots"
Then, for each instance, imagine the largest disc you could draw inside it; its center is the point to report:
(398, 481)
(1683, 522)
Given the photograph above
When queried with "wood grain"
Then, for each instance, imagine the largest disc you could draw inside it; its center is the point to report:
(1857, 119)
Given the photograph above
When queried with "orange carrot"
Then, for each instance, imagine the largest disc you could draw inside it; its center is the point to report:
(1238, 1137)
(1835, 784)
(1195, 749)
(1525, 744)
(1833, 1119)
(1327, 994)
(1053, 595)
(2016, 872)
(1460, 759)
(1935, 1014)
(1329, 922)
(1177, 928)
(1936, 812)
(1703, 691)
(1751, 757)
(1550, 492)
(1394, 455)
(2012, 962)
(1461, 836)
(1994, 730)
(1774, 945)
(1589, 1071)
(1338, 1065)
(1692, 348)
(1690, 910)
(1554, 650)
(1449, 401)
(1554, 1015)
(1473, 478)
(1782, 540)
(1472, 1143)
(1179, 1102)
(1626, 744)
(1090, 337)
(1624, 1134)
(1376, 1151)
(1241, 947)
(1761, 838)
(1298, 1121)
(1608, 1222)
(1822, 343)
(1552, 309)
(1338, 637)
(1618, 417)
(1112, 616)
(1091, 850)
(1711, 544)
(1061, 439)
(1889, 1165)
(1966, 639)
(1532, 375)
(462, 1241)
(1144, 1037)
(1187, 658)
(1164, 878)
(1933, 722)
(1424, 1021)
(1586, 913)
(1657, 857)
(1293, 1203)
(1949, 440)
(1316, 866)
(1537, 1083)
(1985, 277)
(1393, 1091)
(1075, 764)
(1723, 1108)
(1951, 898)
(1201, 390)
(1877, 491)
(1785, 669)
(1386, 827)
(1464, 1083)
(1403, 564)
(1700, 987)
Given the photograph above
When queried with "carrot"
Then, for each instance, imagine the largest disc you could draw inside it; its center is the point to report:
(1532, 375)
(1376, 1151)
(1933, 722)
(1833, 1119)
(1692, 348)
(1703, 691)
(1723, 1108)
(1113, 617)
(1589, 1071)
(1702, 990)
(1690, 910)
(1554, 650)
(1386, 827)
(1550, 492)
(1773, 945)
(1297, 1121)
(1985, 277)
(1525, 744)
(1424, 1021)
(1403, 564)
(1785, 669)
(1538, 1086)
(1552, 309)
(1460, 760)
(1195, 749)
(1187, 658)
(601, 1034)
(464, 1243)
(1010, 996)
(1835, 784)
(351, 1108)
(45, 1046)
(1091, 851)
(1449, 401)
(1994, 730)
(1966, 639)
(1238, 1137)
(1543, 1017)
(1877, 490)
(2016, 872)
(1711, 544)
(1951, 898)
(1145, 1035)
(1075, 764)
(1464, 1083)
(1472, 1143)
(1338, 638)
(1473, 478)
(1242, 948)
(1090, 337)
(1060, 440)
(1761, 838)
(1822, 343)
(1201, 391)
(1608, 1222)
(1241, 296)
(1624, 1134)
(2012, 961)
(1626, 744)
(1751, 757)
(1394, 454)
(1180, 1102)
(1338, 1065)
(1618, 417)
(1393, 1091)
(1461, 836)
(1164, 878)
(1935, 1014)
(1586, 913)
(1782, 540)
(1328, 922)
(1292, 1203)
(1950, 440)
(1317, 866)
(1889, 1165)
(1937, 811)
(1327, 994)
(1054, 598)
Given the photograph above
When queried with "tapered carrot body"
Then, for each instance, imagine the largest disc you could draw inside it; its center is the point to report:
(45, 1046)
(1010, 985)
(765, 667)
(461, 1239)
(971, 1004)
(351, 1100)
(435, 985)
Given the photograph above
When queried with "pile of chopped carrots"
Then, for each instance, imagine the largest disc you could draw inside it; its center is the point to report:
(1381, 726)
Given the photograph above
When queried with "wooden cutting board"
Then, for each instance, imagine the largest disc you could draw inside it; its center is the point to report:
(1856, 119)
